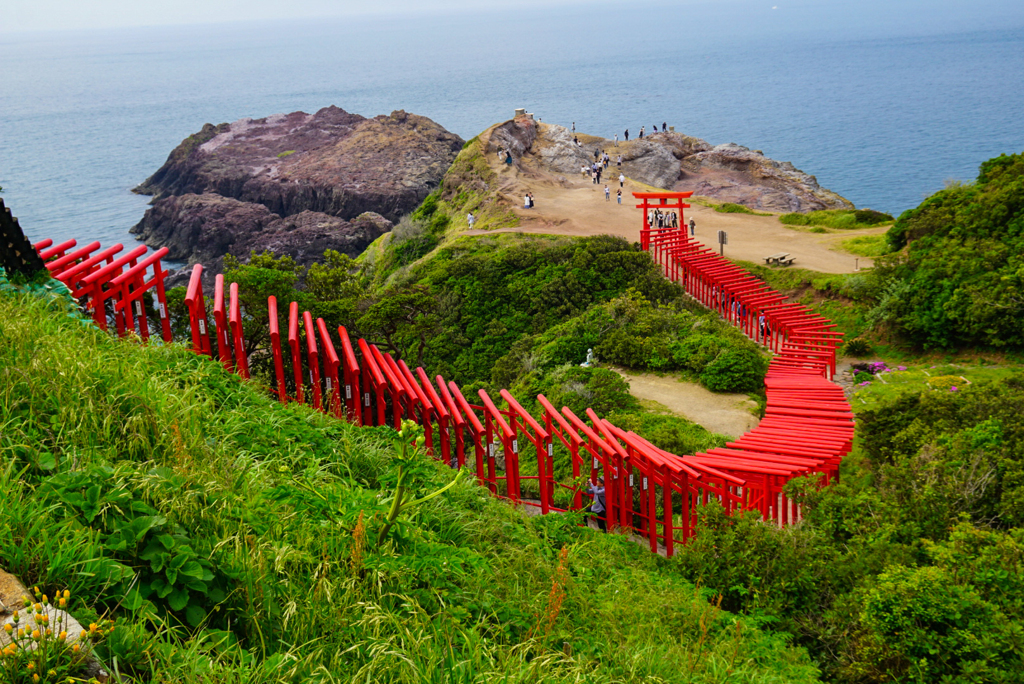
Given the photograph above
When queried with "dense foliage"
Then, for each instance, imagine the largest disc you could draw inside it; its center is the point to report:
(633, 332)
(959, 277)
(911, 571)
(234, 539)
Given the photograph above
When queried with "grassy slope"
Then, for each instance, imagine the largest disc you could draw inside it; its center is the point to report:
(111, 452)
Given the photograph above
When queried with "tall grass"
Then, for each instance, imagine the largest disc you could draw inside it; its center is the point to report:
(132, 470)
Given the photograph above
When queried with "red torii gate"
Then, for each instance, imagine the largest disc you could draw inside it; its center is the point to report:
(660, 201)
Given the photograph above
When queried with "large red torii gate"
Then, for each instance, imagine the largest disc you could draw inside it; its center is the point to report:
(660, 201)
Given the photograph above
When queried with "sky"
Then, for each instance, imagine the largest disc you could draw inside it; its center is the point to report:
(21, 16)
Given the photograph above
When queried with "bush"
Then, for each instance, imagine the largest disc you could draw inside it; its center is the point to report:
(842, 219)
(735, 370)
(857, 347)
(732, 208)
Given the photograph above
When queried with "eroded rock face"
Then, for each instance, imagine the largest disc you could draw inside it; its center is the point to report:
(203, 228)
(733, 173)
(677, 162)
(292, 177)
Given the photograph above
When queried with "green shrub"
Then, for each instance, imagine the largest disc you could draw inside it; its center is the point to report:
(958, 271)
(857, 347)
(867, 245)
(842, 219)
(735, 370)
(732, 208)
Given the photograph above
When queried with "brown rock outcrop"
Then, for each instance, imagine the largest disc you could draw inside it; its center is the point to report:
(673, 161)
(291, 177)
(203, 228)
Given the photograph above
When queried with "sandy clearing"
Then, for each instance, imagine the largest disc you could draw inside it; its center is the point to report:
(723, 414)
(574, 205)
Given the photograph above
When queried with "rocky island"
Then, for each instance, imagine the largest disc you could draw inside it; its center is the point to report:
(296, 184)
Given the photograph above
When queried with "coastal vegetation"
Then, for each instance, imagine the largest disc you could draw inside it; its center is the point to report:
(235, 539)
(231, 538)
(958, 275)
(733, 208)
(842, 219)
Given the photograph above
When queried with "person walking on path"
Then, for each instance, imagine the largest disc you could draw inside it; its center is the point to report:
(471, 219)
(693, 226)
(597, 508)
(622, 180)
(619, 196)
(607, 193)
(619, 163)
(627, 135)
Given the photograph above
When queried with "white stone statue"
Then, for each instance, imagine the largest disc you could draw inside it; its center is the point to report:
(590, 359)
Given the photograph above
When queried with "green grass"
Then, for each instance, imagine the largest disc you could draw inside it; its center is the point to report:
(232, 538)
(866, 245)
(732, 208)
(840, 219)
(930, 377)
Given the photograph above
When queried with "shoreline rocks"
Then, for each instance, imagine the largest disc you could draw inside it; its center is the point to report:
(677, 162)
(293, 183)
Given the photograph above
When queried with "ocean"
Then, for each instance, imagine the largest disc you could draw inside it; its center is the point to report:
(881, 112)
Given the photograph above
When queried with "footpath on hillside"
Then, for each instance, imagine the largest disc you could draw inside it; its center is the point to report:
(720, 413)
(574, 205)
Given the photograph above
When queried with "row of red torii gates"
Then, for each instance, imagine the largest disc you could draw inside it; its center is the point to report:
(807, 428)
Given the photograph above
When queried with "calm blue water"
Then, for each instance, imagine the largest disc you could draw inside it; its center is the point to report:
(881, 116)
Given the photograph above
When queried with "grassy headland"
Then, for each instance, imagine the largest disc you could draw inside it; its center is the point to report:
(235, 539)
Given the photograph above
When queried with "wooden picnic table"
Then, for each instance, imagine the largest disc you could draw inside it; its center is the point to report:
(776, 258)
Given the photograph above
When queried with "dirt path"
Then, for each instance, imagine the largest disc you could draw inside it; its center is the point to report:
(724, 414)
(574, 205)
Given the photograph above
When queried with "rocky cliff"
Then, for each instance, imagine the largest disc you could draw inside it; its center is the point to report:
(203, 228)
(277, 182)
(673, 161)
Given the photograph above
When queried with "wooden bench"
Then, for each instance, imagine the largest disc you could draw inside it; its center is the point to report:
(775, 258)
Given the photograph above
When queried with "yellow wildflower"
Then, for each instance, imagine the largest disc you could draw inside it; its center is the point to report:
(67, 594)
(62, 636)
(35, 633)
(8, 628)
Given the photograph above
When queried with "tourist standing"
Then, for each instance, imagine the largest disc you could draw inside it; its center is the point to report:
(622, 180)
(470, 219)
(627, 135)
(616, 139)
(619, 195)
(664, 127)
(641, 132)
(597, 508)
(693, 227)
(607, 193)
